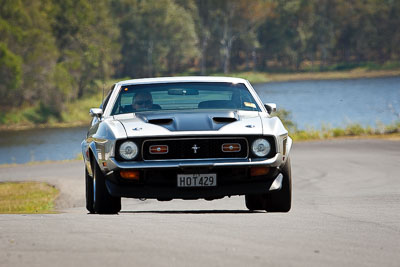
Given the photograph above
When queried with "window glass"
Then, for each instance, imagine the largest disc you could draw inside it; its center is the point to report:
(105, 102)
(183, 96)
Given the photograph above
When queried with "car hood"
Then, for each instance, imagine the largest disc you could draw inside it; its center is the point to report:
(191, 123)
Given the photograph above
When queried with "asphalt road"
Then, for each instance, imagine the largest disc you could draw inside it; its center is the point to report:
(345, 213)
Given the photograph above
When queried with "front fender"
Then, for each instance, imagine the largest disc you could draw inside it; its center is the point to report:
(86, 157)
(289, 144)
(89, 152)
(100, 143)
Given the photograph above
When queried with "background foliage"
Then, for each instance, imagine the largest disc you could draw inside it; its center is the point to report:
(53, 52)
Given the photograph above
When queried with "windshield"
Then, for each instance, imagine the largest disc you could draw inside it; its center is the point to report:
(183, 96)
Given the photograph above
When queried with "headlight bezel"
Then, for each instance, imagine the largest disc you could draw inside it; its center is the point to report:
(128, 144)
(261, 141)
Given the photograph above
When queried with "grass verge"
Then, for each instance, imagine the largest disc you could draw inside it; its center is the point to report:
(265, 77)
(27, 197)
(351, 130)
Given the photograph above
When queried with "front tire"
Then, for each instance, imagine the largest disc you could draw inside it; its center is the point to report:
(275, 201)
(103, 202)
(281, 201)
(89, 192)
(255, 202)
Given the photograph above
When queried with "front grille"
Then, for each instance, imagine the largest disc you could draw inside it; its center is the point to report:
(195, 148)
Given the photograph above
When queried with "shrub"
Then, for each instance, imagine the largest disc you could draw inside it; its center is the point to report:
(285, 116)
(354, 129)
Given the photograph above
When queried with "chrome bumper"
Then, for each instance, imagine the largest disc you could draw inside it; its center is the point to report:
(272, 162)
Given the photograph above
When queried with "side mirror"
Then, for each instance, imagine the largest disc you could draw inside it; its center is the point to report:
(96, 112)
(271, 107)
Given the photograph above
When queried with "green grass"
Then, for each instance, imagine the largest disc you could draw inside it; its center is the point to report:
(27, 197)
(361, 72)
(75, 114)
(351, 130)
(78, 111)
(253, 77)
(79, 156)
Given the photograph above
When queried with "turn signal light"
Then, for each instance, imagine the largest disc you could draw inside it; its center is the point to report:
(130, 174)
(257, 171)
(231, 147)
(158, 149)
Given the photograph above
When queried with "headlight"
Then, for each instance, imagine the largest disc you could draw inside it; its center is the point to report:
(128, 150)
(261, 147)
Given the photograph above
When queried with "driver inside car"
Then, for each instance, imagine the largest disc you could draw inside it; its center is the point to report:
(142, 101)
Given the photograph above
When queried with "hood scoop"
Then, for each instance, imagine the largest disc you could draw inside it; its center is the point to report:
(224, 119)
(190, 121)
(161, 121)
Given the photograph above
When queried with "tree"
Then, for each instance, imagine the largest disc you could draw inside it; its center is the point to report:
(10, 74)
(25, 34)
(204, 19)
(239, 18)
(156, 36)
(85, 37)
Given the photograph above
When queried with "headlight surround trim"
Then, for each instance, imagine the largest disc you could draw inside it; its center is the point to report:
(128, 150)
(261, 147)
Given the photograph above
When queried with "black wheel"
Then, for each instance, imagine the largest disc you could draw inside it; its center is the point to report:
(255, 202)
(281, 201)
(103, 202)
(278, 201)
(89, 192)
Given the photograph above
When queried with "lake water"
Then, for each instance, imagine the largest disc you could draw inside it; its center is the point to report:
(312, 103)
(40, 144)
(336, 102)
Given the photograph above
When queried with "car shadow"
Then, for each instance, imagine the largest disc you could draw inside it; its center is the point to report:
(192, 211)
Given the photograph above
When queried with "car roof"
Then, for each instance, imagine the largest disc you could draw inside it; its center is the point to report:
(183, 79)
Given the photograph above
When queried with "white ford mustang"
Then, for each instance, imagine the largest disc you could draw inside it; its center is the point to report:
(186, 138)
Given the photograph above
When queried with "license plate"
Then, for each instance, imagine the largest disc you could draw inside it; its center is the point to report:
(197, 180)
